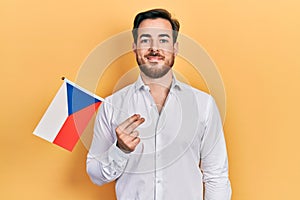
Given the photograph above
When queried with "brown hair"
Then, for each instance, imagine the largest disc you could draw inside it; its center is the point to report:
(154, 14)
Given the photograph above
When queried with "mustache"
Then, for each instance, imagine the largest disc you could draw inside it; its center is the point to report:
(155, 53)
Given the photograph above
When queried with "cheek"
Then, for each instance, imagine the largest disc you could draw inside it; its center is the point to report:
(168, 52)
(140, 53)
(169, 55)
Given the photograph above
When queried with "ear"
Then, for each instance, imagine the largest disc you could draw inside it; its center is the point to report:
(134, 47)
(176, 48)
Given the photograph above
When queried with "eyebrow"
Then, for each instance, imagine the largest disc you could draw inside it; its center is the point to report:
(164, 35)
(160, 35)
(145, 35)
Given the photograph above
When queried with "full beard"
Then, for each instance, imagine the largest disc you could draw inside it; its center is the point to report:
(153, 71)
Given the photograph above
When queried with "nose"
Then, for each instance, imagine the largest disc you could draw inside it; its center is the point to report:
(154, 45)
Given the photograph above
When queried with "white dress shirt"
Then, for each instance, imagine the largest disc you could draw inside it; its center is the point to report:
(181, 148)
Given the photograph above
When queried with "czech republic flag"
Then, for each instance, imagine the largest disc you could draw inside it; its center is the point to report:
(68, 115)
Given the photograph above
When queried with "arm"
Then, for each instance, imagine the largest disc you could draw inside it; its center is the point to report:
(109, 152)
(105, 161)
(214, 163)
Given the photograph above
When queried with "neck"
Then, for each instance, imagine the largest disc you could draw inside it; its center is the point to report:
(159, 88)
(158, 84)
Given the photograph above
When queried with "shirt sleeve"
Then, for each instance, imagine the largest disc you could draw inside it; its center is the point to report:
(105, 161)
(214, 162)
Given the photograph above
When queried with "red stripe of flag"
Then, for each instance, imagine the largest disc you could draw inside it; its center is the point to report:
(74, 126)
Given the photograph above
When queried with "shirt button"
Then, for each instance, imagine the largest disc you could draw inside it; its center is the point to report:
(158, 181)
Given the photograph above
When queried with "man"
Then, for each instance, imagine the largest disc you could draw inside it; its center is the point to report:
(160, 139)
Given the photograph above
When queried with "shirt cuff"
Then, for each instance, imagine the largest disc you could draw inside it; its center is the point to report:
(117, 154)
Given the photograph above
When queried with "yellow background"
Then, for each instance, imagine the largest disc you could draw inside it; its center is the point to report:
(255, 45)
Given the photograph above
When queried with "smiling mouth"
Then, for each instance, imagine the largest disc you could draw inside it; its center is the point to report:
(154, 58)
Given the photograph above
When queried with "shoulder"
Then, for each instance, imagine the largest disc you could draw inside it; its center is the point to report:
(199, 94)
(196, 98)
(117, 99)
(205, 103)
(121, 93)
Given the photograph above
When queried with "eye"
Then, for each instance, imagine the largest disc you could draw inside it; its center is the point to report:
(163, 41)
(145, 40)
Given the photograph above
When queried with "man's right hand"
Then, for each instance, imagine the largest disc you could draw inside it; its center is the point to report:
(127, 136)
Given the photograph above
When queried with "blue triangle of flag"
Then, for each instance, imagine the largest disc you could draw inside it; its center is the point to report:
(77, 99)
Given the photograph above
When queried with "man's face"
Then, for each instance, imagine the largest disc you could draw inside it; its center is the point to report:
(155, 51)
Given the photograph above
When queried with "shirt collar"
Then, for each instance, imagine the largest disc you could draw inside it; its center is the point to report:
(139, 84)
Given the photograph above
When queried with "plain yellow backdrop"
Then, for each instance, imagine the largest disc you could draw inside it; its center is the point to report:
(255, 45)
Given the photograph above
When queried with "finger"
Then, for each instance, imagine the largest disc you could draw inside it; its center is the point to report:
(134, 134)
(134, 125)
(126, 139)
(129, 144)
(128, 121)
(136, 141)
(132, 145)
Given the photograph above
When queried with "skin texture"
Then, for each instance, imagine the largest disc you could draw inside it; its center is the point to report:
(155, 53)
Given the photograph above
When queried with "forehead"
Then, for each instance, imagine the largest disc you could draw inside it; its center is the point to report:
(159, 23)
(155, 26)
